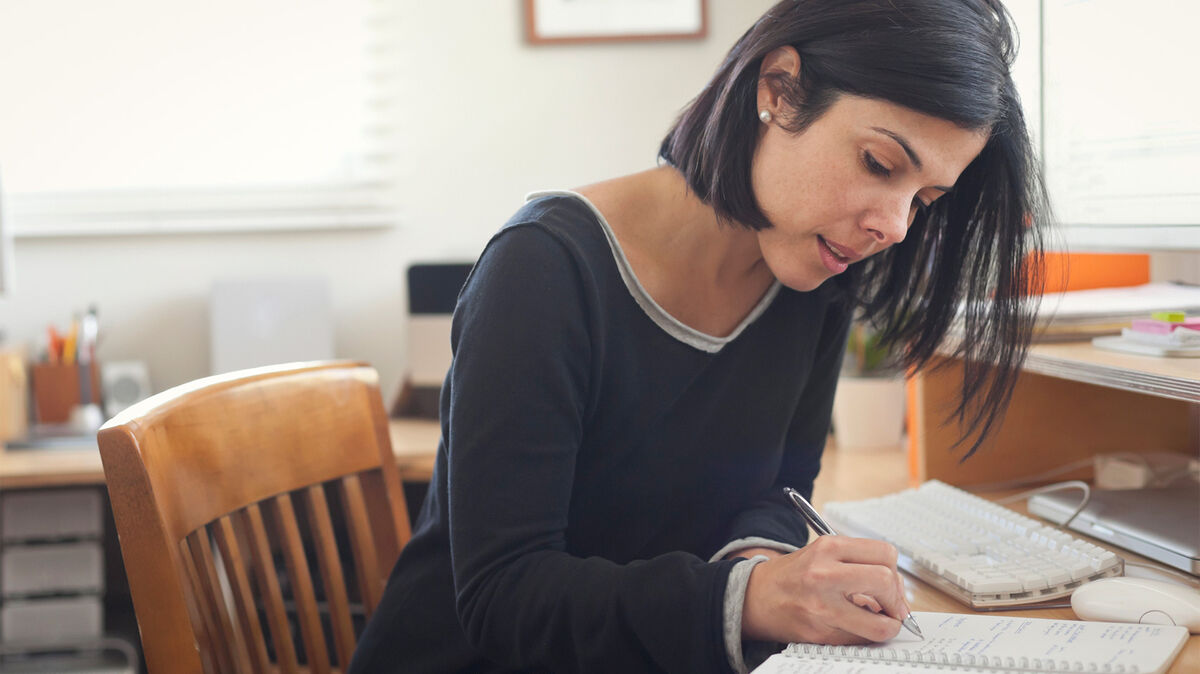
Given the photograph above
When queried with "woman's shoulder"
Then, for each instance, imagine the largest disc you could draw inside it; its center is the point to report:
(558, 210)
(552, 222)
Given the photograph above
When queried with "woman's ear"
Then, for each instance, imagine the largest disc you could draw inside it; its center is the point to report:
(779, 62)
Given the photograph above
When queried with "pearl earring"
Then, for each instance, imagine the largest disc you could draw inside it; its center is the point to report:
(765, 116)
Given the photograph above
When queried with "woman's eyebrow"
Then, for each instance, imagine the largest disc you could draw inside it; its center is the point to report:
(912, 155)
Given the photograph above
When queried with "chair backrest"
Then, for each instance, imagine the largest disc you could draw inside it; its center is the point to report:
(204, 481)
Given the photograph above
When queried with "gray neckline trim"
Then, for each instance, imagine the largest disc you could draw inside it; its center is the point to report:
(671, 325)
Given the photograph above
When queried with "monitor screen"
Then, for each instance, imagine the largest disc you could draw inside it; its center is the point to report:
(1120, 129)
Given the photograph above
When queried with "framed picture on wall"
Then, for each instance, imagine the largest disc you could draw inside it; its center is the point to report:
(574, 21)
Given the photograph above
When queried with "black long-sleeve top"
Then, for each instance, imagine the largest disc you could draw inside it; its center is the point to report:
(595, 453)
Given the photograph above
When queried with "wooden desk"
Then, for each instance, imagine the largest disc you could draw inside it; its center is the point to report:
(845, 475)
(1071, 401)
(852, 475)
(414, 441)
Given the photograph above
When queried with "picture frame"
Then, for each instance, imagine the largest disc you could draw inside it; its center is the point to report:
(589, 21)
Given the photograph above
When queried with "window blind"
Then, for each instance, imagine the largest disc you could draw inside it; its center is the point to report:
(142, 116)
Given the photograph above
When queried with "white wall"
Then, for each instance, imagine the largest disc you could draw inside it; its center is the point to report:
(485, 118)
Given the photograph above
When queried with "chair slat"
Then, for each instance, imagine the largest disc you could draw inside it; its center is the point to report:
(243, 597)
(231, 652)
(309, 615)
(332, 577)
(202, 619)
(268, 583)
(362, 545)
(392, 532)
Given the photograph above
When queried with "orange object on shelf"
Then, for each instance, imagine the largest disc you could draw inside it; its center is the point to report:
(1083, 271)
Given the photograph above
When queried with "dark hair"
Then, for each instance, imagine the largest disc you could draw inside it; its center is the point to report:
(977, 249)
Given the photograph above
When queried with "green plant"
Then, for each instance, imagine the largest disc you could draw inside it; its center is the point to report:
(866, 356)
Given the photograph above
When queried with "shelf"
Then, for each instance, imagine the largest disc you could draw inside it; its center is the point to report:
(1175, 378)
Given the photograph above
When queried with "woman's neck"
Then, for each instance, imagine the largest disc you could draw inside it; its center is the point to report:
(707, 275)
(656, 214)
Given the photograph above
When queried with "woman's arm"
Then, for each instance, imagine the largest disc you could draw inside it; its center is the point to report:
(772, 521)
(835, 589)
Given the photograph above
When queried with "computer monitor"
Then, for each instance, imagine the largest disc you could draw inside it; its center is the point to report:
(1120, 133)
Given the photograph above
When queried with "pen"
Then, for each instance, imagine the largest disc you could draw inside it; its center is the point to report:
(822, 528)
(69, 343)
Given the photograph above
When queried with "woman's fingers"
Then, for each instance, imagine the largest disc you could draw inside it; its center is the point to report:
(874, 594)
(866, 601)
(865, 624)
(860, 550)
(875, 589)
(835, 590)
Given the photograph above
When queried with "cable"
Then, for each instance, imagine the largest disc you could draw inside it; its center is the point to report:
(1069, 484)
(1156, 476)
(1188, 578)
(1169, 478)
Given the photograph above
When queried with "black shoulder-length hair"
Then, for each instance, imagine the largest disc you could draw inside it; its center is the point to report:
(975, 255)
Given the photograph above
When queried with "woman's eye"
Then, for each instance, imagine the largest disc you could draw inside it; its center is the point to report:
(874, 166)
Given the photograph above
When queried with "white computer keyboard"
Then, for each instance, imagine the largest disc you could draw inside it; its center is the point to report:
(983, 554)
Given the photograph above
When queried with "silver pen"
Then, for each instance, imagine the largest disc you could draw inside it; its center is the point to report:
(822, 528)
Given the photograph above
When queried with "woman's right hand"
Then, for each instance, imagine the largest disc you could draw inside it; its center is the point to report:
(835, 590)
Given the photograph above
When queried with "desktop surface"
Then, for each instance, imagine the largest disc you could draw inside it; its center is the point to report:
(845, 475)
(414, 442)
(849, 475)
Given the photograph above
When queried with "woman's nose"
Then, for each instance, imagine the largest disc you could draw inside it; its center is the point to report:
(889, 223)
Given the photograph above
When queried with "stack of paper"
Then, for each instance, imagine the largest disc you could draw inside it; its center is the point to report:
(1081, 314)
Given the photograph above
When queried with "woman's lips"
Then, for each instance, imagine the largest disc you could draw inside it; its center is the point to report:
(833, 259)
(846, 254)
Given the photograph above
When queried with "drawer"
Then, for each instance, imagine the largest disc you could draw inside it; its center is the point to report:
(60, 619)
(51, 514)
(51, 568)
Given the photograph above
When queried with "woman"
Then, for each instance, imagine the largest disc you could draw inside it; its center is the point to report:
(640, 366)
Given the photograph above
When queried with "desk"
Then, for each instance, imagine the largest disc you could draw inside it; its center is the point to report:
(853, 475)
(845, 475)
(414, 441)
(1071, 402)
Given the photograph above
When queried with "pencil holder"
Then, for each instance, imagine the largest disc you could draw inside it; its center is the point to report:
(57, 389)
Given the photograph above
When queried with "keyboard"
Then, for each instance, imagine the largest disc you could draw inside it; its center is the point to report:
(980, 553)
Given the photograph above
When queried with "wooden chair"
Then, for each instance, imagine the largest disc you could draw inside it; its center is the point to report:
(204, 480)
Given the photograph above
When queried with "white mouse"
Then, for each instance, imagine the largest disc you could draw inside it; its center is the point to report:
(1138, 600)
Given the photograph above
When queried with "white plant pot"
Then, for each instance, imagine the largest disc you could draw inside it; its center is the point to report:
(868, 413)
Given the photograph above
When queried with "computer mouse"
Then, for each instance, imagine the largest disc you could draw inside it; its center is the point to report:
(1138, 600)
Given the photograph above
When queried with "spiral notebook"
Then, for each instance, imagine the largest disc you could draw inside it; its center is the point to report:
(977, 643)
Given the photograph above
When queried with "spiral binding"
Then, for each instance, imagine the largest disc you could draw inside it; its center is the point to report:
(951, 661)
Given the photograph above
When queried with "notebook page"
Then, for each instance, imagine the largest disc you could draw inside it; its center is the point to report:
(1035, 644)
(781, 663)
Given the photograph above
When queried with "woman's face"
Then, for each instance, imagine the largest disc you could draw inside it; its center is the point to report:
(850, 184)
